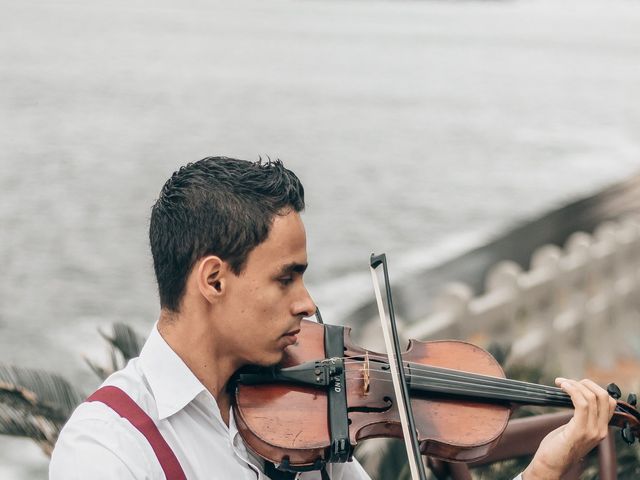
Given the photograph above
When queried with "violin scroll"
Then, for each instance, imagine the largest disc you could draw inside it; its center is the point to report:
(626, 416)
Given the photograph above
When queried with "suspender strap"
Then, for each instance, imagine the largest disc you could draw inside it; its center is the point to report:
(123, 405)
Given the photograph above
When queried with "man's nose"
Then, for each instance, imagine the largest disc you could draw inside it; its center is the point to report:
(305, 306)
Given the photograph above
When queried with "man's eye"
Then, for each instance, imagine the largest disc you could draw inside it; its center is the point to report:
(285, 280)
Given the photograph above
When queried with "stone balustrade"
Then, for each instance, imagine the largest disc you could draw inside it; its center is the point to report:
(577, 304)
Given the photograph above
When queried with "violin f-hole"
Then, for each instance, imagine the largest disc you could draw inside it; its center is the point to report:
(388, 403)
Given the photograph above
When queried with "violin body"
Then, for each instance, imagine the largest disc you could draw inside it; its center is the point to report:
(289, 422)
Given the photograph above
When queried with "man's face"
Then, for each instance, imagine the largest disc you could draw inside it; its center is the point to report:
(263, 306)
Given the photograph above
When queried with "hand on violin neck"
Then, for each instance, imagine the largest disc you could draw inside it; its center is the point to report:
(566, 445)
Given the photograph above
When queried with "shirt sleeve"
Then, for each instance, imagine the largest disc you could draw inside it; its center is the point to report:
(101, 449)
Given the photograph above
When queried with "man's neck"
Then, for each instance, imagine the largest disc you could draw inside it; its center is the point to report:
(195, 344)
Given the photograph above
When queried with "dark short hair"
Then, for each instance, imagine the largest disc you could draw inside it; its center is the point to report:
(216, 206)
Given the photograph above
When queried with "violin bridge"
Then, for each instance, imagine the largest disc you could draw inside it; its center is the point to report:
(365, 373)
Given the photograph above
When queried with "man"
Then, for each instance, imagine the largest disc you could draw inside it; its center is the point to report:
(229, 252)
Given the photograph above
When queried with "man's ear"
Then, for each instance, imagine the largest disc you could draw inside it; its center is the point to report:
(211, 277)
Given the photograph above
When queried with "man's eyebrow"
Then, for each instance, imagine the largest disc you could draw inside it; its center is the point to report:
(293, 267)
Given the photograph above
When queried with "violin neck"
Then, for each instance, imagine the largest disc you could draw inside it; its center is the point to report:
(476, 387)
(447, 382)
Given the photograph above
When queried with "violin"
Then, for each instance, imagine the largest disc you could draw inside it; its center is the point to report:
(327, 395)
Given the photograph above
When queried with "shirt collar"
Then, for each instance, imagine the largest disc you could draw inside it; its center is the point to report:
(173, 385)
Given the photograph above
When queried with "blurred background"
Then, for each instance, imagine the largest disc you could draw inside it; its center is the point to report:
(419, 128)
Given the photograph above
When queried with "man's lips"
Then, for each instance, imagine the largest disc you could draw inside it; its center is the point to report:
(291, 337)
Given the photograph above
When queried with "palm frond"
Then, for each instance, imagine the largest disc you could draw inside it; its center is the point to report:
(124, 342)
(35, 404)
(101, 371)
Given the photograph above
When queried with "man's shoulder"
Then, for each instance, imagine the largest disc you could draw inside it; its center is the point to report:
(93, 414)
(131, 381)
(99, 433)
(91, 446)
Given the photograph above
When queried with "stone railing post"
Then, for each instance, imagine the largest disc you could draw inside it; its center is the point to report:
(625, 302)
(504, 318)
(600, 342)
(571, 297)
(546, 261)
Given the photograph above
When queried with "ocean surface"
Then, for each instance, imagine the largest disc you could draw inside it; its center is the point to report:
(417, 127)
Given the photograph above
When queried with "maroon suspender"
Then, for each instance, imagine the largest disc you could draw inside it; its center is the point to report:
(124, 406)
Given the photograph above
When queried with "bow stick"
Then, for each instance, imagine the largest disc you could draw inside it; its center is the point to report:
(397, 374)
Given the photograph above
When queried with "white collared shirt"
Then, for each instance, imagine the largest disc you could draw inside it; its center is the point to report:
(97, 443)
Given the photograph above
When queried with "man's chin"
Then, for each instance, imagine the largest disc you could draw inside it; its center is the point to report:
(271, 360)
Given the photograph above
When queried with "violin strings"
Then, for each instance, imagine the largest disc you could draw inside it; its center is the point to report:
(460, 383)
(470, 375)
(429, 369)
(511, 388)
(482, 394)
(514, 385)
(494, 386)
(463, 390)
(482, 379)
(458, 387)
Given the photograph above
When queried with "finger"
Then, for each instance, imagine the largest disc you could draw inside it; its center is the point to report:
(613, 403)
(592, 401)
(606, 405)
(596, 408)
(581, 405)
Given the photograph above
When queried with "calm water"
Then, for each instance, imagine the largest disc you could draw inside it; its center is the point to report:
(417, 127)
